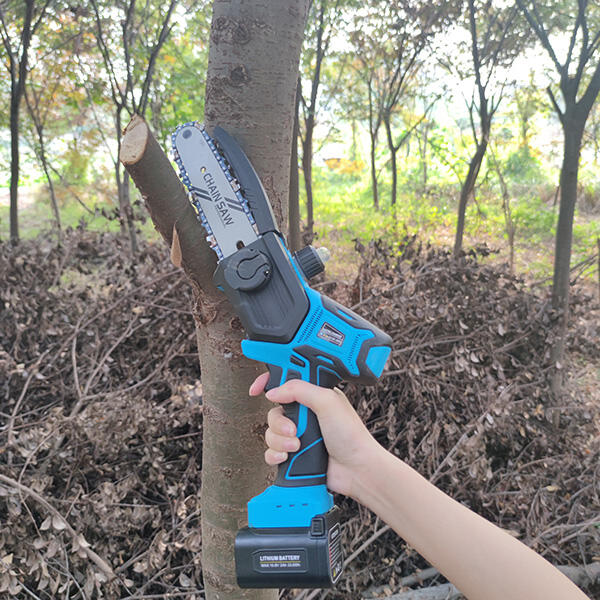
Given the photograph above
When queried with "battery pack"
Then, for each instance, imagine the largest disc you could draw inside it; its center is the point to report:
(295, 557)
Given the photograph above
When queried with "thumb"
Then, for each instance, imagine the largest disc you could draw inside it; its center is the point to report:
(324, 402)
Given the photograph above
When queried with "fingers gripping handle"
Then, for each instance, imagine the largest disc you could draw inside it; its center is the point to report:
(308, 465)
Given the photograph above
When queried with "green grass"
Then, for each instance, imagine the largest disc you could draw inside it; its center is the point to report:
(344, 212)
(37, 217)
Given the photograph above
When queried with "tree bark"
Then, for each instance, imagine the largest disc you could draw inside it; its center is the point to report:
(250, 89)
(573, 134)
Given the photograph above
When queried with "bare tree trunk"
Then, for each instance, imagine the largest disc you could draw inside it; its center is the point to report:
(374, 172)
(225, 374)
(307, 170)
(374, 122)
(250, 91)
(295, 242)
(509, 223)
(424, 154)
(568, 197)
(467, 191)
(18, 70)
(573, 133)
(393, 149)
(128, 209)
(125, 210)
(44, 160)
(14, 169)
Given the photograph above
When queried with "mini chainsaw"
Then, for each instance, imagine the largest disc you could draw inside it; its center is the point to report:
(293, 538)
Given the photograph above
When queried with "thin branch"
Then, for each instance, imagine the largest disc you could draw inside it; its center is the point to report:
(536, 24)
(559, 112)
(578, 24)
(125, 28)
(162, 37)
(95, 558)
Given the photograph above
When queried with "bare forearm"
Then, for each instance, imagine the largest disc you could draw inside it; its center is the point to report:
(482, 560)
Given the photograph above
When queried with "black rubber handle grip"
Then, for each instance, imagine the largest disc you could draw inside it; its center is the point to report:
(308, 465)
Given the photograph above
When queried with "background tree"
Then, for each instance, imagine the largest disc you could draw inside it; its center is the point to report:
(294, 239)
(493, 43)
(389, 39)
(177, 94)
(130, 38)
(579, 84)
(51, 93)
(19, 23)
(322, 21)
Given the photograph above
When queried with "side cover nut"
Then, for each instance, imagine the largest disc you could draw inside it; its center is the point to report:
(248, 269)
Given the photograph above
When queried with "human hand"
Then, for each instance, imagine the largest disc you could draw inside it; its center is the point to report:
(349, 445)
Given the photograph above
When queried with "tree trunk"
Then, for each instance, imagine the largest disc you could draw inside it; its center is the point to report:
(568, 196)
(229, 414)
(424, 155)
(307, 145)
(374, 172)
(295, 242)
(18, 69)
(126, 220)
(393, 150)
(573, 134)
(467, 190)
(128, 209)
(14, 169)
(53, 201)
(251, 84)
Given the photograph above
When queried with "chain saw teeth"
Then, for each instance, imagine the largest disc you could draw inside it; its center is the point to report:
(192, 194)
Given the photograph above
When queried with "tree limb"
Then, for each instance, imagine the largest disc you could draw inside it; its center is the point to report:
(166, 200)
(537, 26)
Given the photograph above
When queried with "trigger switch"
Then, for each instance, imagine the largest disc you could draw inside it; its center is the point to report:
(275, 375)
(328, 379)
(292, 374)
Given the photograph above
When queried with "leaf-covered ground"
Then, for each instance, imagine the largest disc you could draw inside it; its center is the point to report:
(101, 412)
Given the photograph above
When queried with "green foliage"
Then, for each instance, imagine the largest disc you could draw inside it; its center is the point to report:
(534, 219)
(522, 166)
(179, 85)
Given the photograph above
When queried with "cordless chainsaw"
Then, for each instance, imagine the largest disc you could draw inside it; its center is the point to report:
(293, 538)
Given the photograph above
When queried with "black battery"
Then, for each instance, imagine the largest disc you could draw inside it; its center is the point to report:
(295, 557)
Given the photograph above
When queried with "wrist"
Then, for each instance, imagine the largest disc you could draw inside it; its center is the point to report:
(370, 475)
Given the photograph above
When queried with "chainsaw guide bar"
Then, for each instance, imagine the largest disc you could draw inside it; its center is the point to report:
(214, 192)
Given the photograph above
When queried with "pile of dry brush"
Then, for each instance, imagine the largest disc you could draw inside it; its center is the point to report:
(101, 415)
